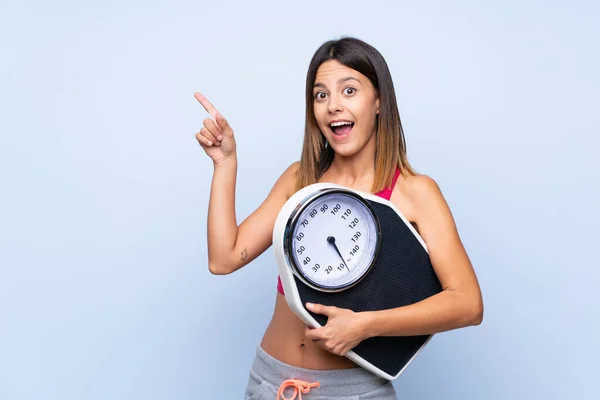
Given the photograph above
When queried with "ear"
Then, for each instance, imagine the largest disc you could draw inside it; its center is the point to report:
(377, 105)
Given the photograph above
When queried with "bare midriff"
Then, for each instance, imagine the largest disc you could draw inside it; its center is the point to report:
(284, 340)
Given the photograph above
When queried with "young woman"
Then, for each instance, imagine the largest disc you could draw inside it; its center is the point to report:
(353, 137)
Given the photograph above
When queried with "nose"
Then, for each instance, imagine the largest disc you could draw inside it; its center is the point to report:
(335, 104)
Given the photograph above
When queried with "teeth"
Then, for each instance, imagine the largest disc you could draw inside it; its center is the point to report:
(340, 123)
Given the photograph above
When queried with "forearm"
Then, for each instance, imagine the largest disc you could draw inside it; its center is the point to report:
(444, 311)
(222, 225)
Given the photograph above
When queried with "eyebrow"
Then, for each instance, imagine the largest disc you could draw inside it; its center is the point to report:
(341, 80)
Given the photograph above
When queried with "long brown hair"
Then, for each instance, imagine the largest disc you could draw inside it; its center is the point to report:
(390, 149)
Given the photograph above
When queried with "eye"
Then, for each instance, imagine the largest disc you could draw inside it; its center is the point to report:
(320, 95)
(349, 91)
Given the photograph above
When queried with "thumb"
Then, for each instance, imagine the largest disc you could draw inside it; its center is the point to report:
(321, 309)
(224, 125)
(313, 333)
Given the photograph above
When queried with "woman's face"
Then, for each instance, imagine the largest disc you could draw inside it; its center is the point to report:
(345, 105)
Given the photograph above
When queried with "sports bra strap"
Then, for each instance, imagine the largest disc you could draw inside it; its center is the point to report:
(387, 193)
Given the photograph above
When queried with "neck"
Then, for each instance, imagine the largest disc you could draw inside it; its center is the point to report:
(357, 167)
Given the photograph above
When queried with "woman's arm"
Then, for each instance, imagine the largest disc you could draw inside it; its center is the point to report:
(460, 303)
(230, 247)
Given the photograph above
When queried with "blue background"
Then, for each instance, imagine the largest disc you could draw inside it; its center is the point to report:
(104, 285)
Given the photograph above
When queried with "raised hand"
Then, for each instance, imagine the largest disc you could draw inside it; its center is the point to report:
(216, 137)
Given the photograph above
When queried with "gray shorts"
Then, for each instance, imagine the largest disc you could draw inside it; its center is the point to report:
(268, 373)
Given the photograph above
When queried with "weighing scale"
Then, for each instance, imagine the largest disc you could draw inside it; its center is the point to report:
(341, 247)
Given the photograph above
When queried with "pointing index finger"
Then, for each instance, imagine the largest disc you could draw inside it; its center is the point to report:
(206, 104)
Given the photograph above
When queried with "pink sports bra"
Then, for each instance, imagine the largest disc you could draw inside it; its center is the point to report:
(386, 194)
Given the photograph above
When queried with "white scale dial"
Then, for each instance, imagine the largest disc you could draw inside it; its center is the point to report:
(334, 240)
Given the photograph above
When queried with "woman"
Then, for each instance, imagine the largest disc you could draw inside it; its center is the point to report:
(353, 137)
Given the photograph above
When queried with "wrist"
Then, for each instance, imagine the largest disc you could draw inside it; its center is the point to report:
(226, 163)
(368, 324)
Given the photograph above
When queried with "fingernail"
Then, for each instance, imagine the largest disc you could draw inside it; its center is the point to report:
(220, 137)
(310, 305)
(209, 143)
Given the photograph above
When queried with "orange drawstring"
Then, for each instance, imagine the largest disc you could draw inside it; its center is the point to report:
(299, 388)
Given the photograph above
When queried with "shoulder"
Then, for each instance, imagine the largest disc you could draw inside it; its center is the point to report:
(422, 190)
(294, 167)
(421, 200)
(291, 172)
(287, 181)
(420, 185)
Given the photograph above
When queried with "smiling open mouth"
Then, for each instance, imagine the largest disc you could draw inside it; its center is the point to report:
(341, 127)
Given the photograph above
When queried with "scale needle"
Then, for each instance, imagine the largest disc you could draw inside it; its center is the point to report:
(331, 240)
